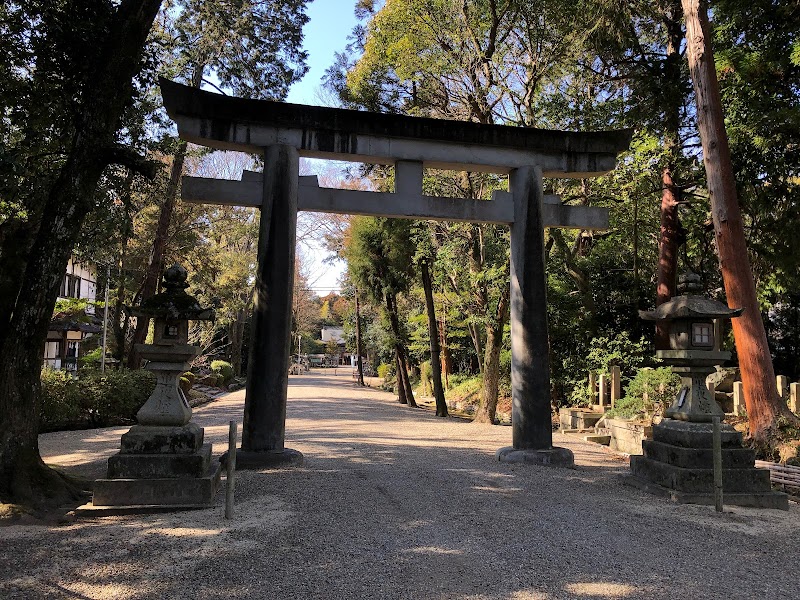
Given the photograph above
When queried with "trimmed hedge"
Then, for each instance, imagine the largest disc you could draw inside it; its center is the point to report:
(224, 368)
(93, 399)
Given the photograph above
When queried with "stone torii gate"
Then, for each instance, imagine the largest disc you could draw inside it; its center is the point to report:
(282, 133)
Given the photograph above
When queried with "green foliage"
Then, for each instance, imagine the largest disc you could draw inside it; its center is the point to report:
(91, 359)
(385, 370)
(621, 351)
(649, 393)
(223, 370)
(92, 399)
(602, 353)
(426, 378)
(74, 309)
(466, 390)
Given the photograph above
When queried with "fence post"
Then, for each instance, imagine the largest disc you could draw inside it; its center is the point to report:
(231, 471)
(717, 449)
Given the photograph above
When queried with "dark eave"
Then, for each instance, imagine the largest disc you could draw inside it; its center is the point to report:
(222, 114)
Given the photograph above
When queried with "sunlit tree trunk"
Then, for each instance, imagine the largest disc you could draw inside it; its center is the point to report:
(758, 377)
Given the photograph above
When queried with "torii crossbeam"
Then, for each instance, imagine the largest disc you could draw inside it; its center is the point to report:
(283, 133)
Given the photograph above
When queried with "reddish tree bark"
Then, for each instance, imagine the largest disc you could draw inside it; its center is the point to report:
(671, 233)
(667, 251)
(758, 377)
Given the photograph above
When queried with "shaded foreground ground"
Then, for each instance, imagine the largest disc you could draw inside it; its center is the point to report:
(396, 503)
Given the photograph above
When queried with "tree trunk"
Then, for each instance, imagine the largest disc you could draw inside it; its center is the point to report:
(155, 265)
(24, 479)
(120, 322)
(671, 232)
(403, 381)
(16, 237)
(401, 386)
(758, 377)
(667, 251)
(487, 407)
(436, 370)
(237, 339)
(406, 379)
(447, 361)
(581, 280)
(359, 362)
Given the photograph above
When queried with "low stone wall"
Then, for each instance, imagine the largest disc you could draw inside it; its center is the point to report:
(627, 436)
(578, 418)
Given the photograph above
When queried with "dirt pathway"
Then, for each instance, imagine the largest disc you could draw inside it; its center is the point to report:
(395, 503)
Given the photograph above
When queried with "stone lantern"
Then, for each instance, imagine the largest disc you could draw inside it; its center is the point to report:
(678, 461)
(163, 462)
(170, 353)
(692, 342)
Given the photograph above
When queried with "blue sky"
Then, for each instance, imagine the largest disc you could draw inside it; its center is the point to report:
(330, 22)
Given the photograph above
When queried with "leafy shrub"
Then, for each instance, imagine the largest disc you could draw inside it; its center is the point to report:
(649, 393)
(212, 379)
(426, 378)
(384, 370)
(223, 368)
(91, 359)
(185, 383)
(93, 399)
(467, 389)
(192, 377)
(604, 352)
(61, 402)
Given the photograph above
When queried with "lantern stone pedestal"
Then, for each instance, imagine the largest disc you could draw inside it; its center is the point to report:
(163, 462)
(678, 462)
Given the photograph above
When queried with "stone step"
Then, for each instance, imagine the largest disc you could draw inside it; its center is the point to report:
(694, 435)
(699, 480)
(698, 458)
(159, 466)
(181, 491)
(604, 440)
(770, 499)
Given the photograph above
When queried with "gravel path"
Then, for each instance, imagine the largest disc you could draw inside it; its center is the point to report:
(395, 503)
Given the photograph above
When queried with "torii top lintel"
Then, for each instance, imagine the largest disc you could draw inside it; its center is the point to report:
(240, 124)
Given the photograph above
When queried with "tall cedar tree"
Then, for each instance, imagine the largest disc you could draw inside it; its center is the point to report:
(764, 407)
(379, 256)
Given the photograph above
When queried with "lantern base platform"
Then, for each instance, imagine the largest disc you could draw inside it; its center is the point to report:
(551, 457)
(172, 493)
(159, 466)
(773, 500)
(678, 464)
(247, 460)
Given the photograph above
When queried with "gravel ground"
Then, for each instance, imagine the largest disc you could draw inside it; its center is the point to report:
(391, 503)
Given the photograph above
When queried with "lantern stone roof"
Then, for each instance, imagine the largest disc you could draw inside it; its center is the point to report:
(690, 307)
(174, 303)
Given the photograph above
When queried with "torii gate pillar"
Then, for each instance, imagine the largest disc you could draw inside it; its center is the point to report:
(264, 424)
(532, 433)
